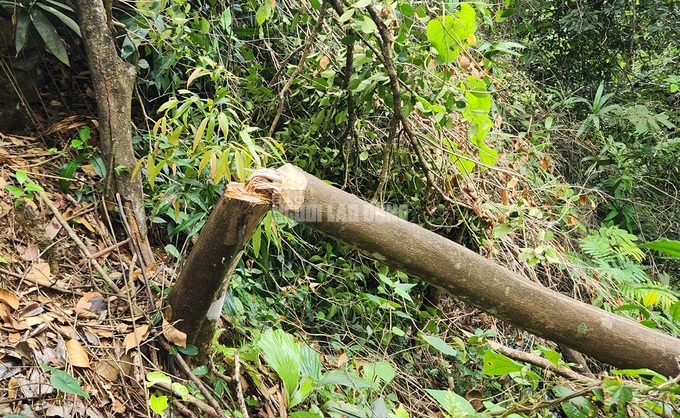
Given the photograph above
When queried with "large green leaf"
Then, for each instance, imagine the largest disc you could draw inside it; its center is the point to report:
(496, 364)
(578, 407)
(452, 402)
(282, 354)
(440, 345)
(49, 34)
(59, 15)
(21, 33)
(664, 245)
(64, 382)
(449, 34)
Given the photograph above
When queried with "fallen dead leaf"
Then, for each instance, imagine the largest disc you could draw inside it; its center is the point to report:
(323, 62)
(90, 305)
(29, 253)
(84, 222)
(5, 313)
(108, 369)
(52, 228)
(342, 359)
(136, 337)
(118, 407)
(174, 335)
(9, 298)
(40, 273)
(32, 309)
(76, 354)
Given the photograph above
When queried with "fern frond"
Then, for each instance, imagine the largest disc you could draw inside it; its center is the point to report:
(650, 294)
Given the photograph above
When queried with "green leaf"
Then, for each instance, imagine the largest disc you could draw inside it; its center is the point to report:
(368, 25)
(452, 402)
(617, 389)
(158, 404)
(674, 311)
(156, 377)
(304, 414)
(200, 370)
(59, 15)
(189, 350)
(21, 177)
(440, 345)
(381, 370)
(173, 251)
(282, 353)
(64, 382)
(21, 33)
(552, 355)
(310, 362)
(32, 187)
(578, 407)
(49, 34)
(449, 34)
(16, 191)
(180, 389)
(67, 172)
(664, 245)
(343, 378)
(496, 364)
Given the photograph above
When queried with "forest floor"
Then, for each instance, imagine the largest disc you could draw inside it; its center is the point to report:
(58, 314)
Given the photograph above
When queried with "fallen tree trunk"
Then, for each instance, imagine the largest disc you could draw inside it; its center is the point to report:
(472, 278)
(412, 249)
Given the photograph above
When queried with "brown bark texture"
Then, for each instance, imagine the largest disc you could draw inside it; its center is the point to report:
(474, 279)
(113, 80)
(196, 299)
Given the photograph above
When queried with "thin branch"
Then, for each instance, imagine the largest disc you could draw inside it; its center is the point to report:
(308, 43)
(385, 41)
(71, 233)
(239, 389)
(199, 383)
(537, 361)
(136, 248)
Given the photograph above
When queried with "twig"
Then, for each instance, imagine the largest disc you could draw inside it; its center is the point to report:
(387, 157)
(539, 362)
(544, 404)
(187, 371)
(191, 399)
(137, 250)
(239, 389)
(80, 244)
(111, 248)
(308, 43)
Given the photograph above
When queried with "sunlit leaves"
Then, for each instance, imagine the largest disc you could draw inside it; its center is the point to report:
(451, 34)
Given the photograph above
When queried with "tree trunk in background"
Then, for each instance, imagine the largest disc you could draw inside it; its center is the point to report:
(472, 278)
(114, 81)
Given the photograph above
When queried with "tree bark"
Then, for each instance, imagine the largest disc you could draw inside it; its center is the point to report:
(472, 278)
(113, 81)
(195, 302)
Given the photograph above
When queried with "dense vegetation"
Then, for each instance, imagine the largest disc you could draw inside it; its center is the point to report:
(542, 134)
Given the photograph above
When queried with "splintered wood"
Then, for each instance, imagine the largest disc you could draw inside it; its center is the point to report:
(258, 188)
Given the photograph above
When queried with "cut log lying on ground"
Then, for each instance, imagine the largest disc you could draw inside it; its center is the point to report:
(470, 277)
